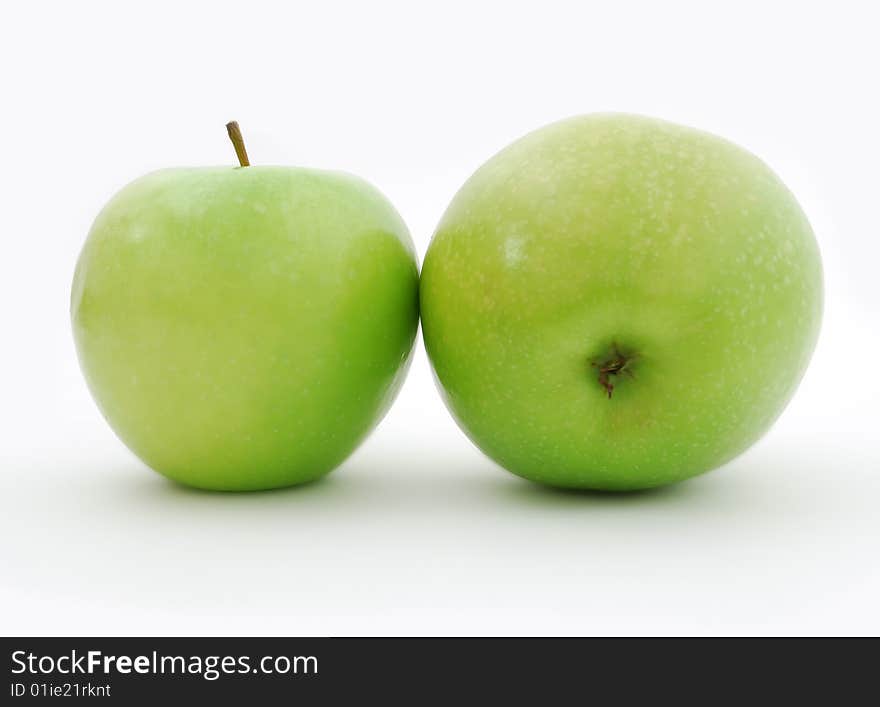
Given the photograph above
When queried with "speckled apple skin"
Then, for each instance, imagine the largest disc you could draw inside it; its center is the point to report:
(245, 328)
(681, 248)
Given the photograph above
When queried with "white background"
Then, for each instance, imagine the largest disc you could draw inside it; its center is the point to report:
(418, 533)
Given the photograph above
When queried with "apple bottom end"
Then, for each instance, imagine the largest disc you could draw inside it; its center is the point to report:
(244, 485)
(606, 487)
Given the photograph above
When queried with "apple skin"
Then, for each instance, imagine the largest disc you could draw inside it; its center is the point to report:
(680, 249)
(245, 328)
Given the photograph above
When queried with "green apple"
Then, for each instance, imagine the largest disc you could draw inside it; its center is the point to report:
(616, 302)
(245, 328)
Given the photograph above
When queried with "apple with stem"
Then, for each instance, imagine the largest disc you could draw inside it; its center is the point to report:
(245, 328)
(615, 302)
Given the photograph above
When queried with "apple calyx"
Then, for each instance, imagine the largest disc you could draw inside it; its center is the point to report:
(234, 133)
(614, 363)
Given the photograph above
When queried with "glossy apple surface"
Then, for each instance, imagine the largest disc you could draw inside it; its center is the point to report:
(245, 328)
(616, 302)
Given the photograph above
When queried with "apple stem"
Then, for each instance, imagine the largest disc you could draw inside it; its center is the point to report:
(613, 364)
(237, 142)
